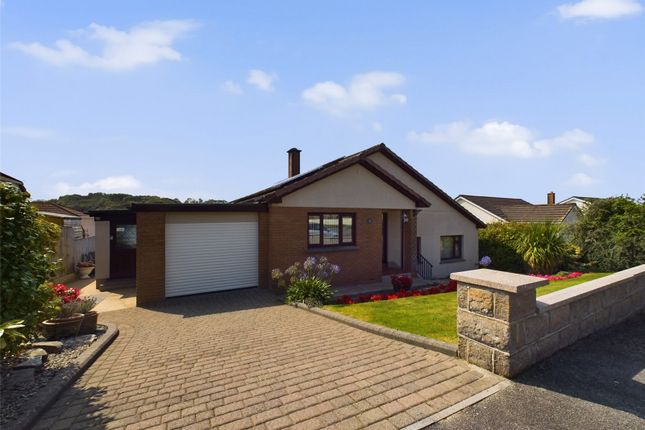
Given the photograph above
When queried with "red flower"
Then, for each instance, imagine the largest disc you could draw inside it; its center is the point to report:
(392, 297)
(376, 297)
(434, 290)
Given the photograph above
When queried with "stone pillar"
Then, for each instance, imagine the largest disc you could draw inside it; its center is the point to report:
(492, 309)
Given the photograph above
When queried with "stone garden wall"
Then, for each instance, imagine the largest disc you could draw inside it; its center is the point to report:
(503, 328)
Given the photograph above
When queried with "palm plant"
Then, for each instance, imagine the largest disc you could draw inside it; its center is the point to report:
(542, 247)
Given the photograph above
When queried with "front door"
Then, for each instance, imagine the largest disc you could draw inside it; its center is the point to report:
(123, 250)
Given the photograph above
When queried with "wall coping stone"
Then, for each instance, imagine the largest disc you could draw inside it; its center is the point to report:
(497, 280)
(577, 292)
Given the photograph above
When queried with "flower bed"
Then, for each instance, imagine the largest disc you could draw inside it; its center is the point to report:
(559, 276)
(399, 294)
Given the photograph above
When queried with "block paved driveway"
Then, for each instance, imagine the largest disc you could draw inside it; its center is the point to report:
(241, 359)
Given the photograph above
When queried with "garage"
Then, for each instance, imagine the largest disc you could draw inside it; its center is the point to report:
(209, 252)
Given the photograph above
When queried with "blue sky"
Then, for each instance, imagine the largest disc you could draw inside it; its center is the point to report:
(202, 99)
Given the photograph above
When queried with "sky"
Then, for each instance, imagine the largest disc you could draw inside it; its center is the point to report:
(203, 99)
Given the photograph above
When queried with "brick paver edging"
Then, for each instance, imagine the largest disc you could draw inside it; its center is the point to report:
(49, 394)
(412, 339)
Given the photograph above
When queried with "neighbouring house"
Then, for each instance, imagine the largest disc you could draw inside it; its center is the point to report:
(370, 212)
(11, 180)
(76, 242)
(81, 223)
(502, 209)
(581, 202)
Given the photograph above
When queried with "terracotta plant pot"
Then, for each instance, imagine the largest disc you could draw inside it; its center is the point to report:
(84, 272)
(57, 328)
(88, 325)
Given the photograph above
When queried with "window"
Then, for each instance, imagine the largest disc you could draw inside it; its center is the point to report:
(126, 236)
(450, 247)
(331, 229)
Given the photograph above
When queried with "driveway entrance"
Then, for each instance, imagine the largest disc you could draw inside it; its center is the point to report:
(240, 359)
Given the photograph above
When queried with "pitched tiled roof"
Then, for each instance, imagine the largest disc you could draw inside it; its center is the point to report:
(537, 213)
(276, 192)
(519, 210)
(494, 205)
(17, 182)
(54, 208)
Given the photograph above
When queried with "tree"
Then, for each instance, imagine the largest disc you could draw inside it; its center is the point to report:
(27, 248)
(611, 233)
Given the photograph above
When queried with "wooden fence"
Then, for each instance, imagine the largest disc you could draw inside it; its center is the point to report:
(70, 250)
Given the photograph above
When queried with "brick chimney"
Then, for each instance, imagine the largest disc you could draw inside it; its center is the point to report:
(550, 198)
(294, 161)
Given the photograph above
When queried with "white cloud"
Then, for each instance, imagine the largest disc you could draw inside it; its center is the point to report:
(581, 180)
(377, 126)
(589, 160)
(599, 9)
(500, 139)
(232, 88)
(110, 184)
(364, 92)
(261, 79)
(144, 44)
(27, 132)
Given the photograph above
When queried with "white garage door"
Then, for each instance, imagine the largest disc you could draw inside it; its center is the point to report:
(208, 252)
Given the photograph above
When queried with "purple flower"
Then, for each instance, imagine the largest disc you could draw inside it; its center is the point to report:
(309, 263)
(335, 268)
(485, 261)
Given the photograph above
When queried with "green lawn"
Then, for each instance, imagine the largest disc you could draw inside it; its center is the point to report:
(432, 316)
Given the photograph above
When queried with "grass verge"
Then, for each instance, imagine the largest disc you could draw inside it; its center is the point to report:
(432, 316)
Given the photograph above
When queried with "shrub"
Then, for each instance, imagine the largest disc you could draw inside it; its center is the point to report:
(516, 247)
(309, 282)
(401, 281)
(27, 244)
(610, 234)
(310, 291)
(497, 241)
(10, 336)
(542, 247)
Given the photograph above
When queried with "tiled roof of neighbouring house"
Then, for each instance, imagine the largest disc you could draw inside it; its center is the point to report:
(537, 213)
(54, 208)
(10, 179)
(519, 210)
(494, 205)
(277, 191)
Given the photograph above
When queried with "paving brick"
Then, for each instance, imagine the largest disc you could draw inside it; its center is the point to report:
(234, 364)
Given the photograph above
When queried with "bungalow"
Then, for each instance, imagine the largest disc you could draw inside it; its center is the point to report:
(370, 212)
(11, 180)
(81, 223)
(502, 209)
(581, 202)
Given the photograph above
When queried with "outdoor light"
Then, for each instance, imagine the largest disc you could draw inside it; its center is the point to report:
(405, 217)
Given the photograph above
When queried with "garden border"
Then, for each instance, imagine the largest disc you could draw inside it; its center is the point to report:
(401, 336)
(46, 397)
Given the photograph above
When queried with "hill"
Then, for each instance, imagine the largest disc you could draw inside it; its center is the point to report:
(102, 201)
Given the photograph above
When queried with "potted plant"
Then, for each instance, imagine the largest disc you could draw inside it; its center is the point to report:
(401, 281)
(90, 317)
(85, 269)
(69, 318)
(67, 323)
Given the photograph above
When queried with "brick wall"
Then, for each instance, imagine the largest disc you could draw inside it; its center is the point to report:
(503, 328)
(264, 270)
(287, 237)
(151, 257)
